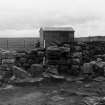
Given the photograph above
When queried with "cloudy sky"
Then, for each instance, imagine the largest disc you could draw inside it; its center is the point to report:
(23, 18)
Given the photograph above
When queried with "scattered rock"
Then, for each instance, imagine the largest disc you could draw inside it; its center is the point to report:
(57, 98)
(99, 79)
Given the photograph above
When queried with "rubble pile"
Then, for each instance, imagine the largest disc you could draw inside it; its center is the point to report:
(92, 50)
(58, 56)
(87, 59)
(93, 101)
(76, 60)
(26, 59)
(81, 59)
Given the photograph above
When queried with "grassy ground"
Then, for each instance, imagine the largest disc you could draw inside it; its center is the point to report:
(52, 93)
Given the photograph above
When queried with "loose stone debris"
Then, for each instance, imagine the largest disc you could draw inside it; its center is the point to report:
(85, 61)
(93, 101)
(83, 65)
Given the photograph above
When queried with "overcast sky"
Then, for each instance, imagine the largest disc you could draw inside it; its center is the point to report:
(23, 18)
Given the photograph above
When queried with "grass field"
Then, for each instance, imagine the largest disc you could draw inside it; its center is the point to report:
(18, 43)
(92, 38)
(29, 43)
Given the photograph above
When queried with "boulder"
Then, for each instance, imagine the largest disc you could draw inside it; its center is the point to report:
(77, 55)
(20, 73)
(76, 61)
(8, 61)
(36, 70)
(87, 68)
(52, 69)
(93, 101)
